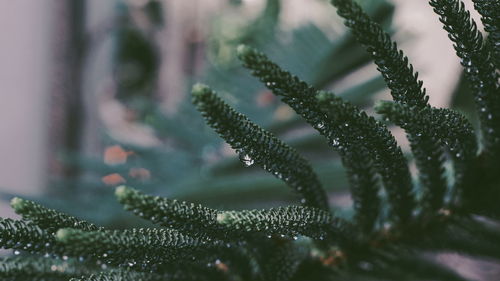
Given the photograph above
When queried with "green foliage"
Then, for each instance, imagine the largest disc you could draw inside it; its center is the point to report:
(48, 219)
(121, 275)
(128, 246)
(348, 140)
(255, 145)
(191, 156)
(284, 221)
(23, 235)
(432, 129)
(476, 57)
(392, 63)
(490, 16)
(31, 268)
(392, 228)
(187, 217)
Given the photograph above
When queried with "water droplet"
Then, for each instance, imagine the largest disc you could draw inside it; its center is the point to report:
(246, 160)
(65, 258)
(303, 200)
(335, 142)
(320, 125)
(490, 116)
(16, 252)
(346, 124)
(295, 237)
(365, 265)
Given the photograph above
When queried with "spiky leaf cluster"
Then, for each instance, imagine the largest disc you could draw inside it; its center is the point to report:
(14, 268)
(391, 61)
(396, 219)
(490, 16)
(333, 118)
(257, 145)
(476, 57)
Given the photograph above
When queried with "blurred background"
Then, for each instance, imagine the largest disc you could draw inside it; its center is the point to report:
(96, 94)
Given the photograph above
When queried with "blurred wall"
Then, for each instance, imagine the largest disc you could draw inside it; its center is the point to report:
(24, 84)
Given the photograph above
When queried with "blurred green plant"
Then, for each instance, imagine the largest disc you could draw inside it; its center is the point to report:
(193, 164)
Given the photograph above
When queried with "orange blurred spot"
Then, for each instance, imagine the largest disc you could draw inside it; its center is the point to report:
(334, 258)
(221, 266)
(115, 154)
(265, 98)
(283, 112)
(328, 261)
(139, 173)
(113, 179)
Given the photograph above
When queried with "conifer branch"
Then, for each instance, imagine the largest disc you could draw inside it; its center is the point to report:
(329, 115)
(123, 275)
(142, 246)
(22, 235)
(479, 69)
(191, 218)
(301, 97)
(282, 261)
(15, 268)
(287, 221)
(430, 160)
(363, 185)
(254, 144)
(445, 126)
(490, 16)
(392, 63)
(428, 154)
(48, 219)
(187, 217)
(365, 133)
(349, 141)
(129, 275)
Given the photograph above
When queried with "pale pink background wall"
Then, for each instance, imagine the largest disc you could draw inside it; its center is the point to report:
(24, 57)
